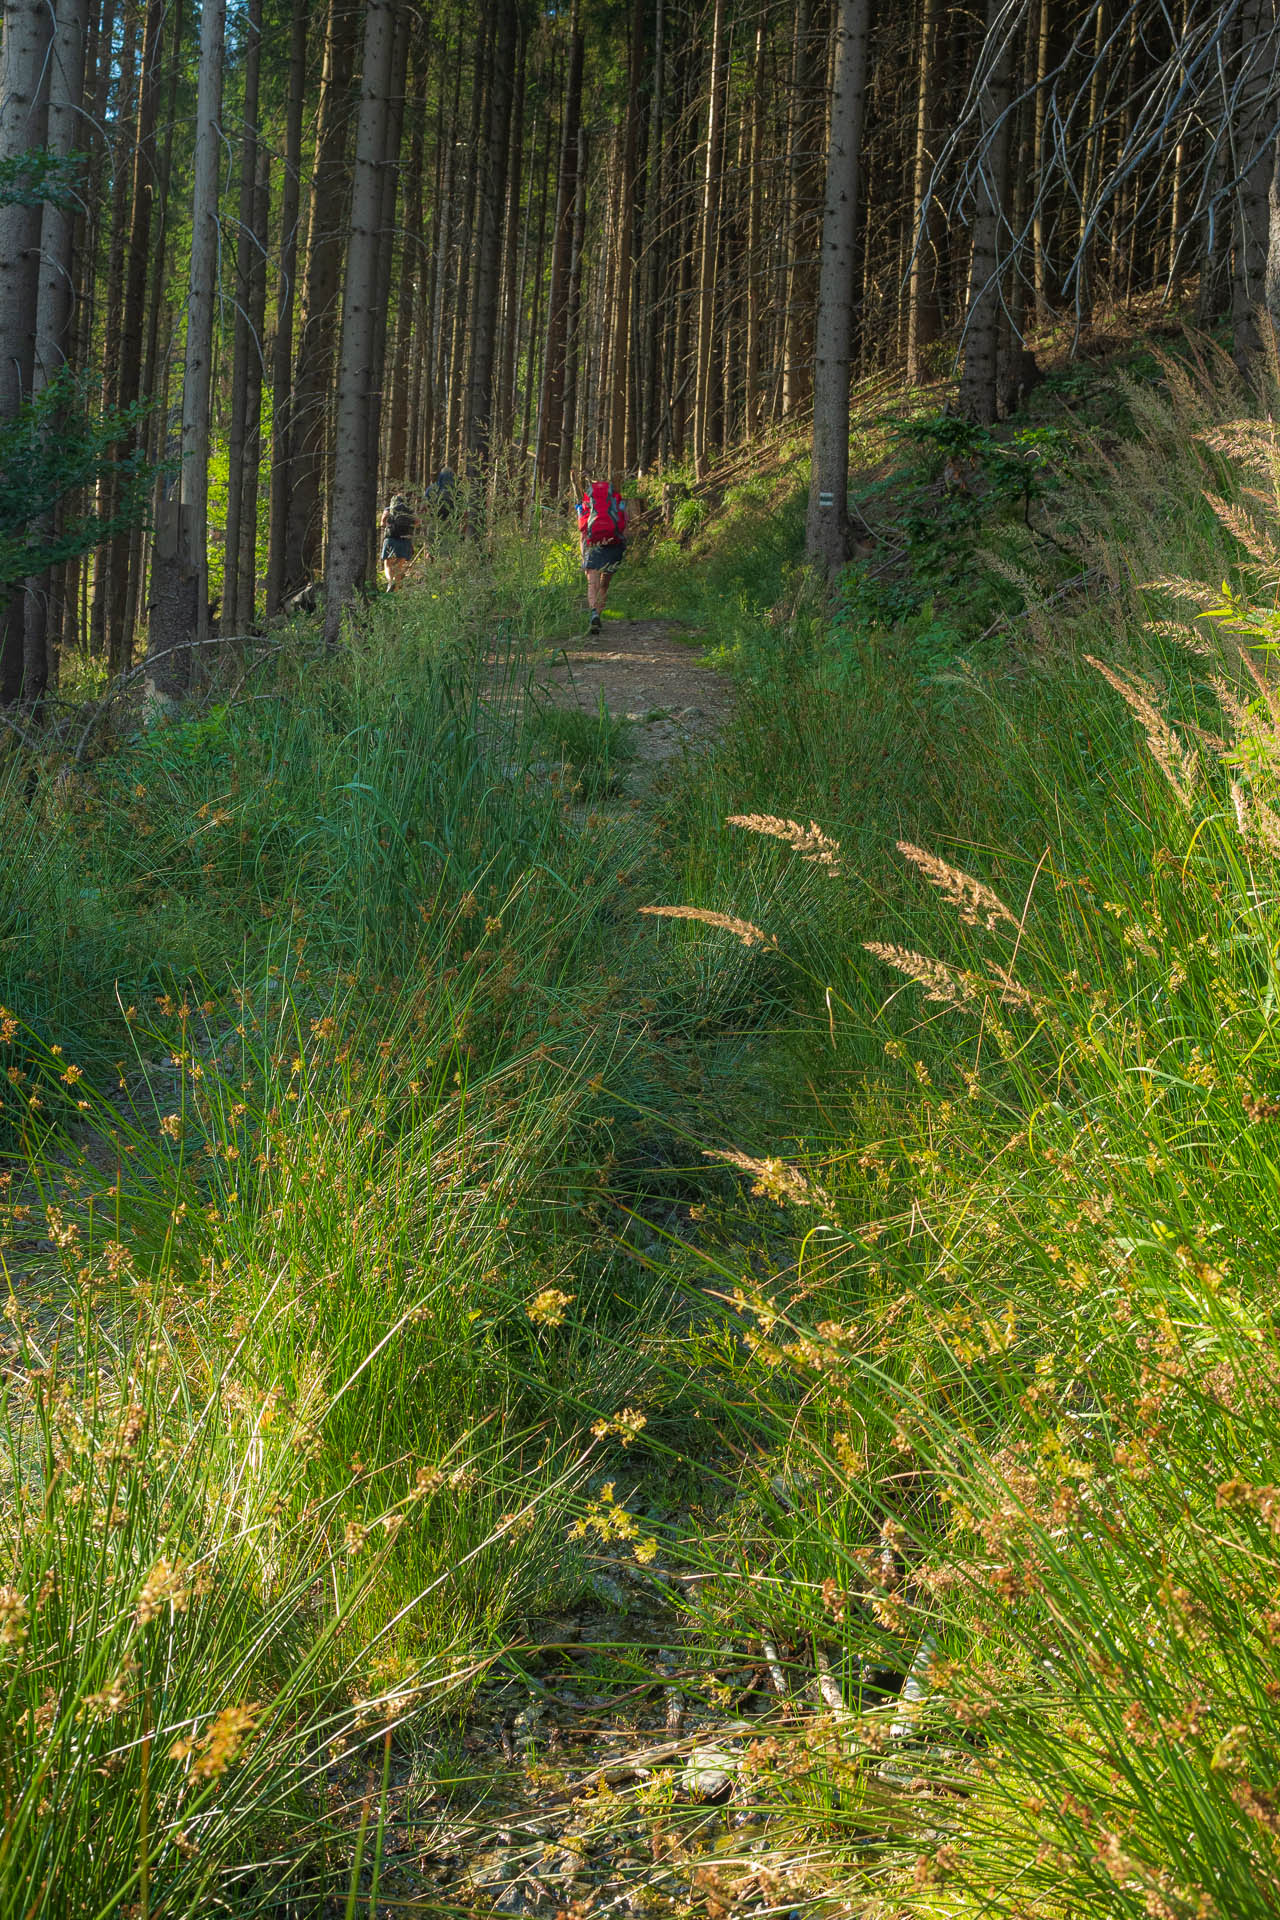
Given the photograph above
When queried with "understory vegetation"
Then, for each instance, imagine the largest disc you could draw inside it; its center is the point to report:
(877, 1254)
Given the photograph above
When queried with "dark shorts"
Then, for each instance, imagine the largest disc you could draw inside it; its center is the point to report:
(604, 559)
(396, 547)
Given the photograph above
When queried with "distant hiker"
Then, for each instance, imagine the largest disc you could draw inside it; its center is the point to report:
(602, 523)
(442, 496)
(398, 528)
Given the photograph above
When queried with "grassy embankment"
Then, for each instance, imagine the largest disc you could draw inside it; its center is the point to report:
(358, 1186)
(1021, 1383)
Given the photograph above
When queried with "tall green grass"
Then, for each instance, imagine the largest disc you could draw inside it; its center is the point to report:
(1010, 1417)
(316, 1017)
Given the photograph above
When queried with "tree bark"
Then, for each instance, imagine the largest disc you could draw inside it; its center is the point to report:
(551, 427)
(403, 359)
(286, 291)
(707, 247)
(573, 330)
(136, 249)
(247, 545)
(1254, 122)
(624, 279)
(54, 307)
(924, 320)
(755, 190)
(1273, 241)
(827, 526)
(180, 589)
(246, 347)
(313, 374)
(24, 112)
(465, 279)
(979, 380)
(348, 531)
(493, 194)
(512, 257)
(1044, 294)
(390, 180)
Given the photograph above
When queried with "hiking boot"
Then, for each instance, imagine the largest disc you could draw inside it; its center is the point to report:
(594, 624)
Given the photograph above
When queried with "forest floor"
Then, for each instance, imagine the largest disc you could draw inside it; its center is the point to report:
(645, 672)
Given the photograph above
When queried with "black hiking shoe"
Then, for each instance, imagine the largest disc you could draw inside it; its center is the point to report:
(595, 624)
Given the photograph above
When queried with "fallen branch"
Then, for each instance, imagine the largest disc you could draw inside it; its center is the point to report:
(144, 665)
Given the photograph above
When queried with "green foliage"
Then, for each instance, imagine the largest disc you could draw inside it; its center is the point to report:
(688, 515)
(956, 489)
(55, 448)
(593, 746)
(37, 177)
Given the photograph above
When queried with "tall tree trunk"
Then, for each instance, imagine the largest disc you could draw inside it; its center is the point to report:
(806, 98)
(1254, 123)
(573, 328)
(54, 308)
(247, 542)
(512, 279)
(286, 290)
(533, 369)
(493, 194)
(827, 526)
(348, 530)
(24, 113)
(102, 638)
(464, 283)
(978, 383)
(136, 249)
(620, 391)
(1178, 184)
(551, 426)
(924, 320)
(180, 586)
(442, 317)
(313, 374)
(707, 248)
(755, 190)
(656, 245)
(400, 409)
(1092, 163)
(390, 179)
(1044, 294)
(250, 244)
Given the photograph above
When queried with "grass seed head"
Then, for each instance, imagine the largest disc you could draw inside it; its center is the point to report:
(750, 936)
(811, 843)
(974, 900)
(13, 1617)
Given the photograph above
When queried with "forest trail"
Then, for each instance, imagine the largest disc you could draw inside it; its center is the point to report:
(647, 674)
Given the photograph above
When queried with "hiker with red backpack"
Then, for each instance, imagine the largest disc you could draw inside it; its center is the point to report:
(602, 523)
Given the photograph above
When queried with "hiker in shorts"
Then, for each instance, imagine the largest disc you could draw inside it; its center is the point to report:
(602, 523)
(398, 527)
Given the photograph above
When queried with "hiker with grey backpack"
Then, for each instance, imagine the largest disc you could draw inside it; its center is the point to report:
(602, 525)
(398, 526)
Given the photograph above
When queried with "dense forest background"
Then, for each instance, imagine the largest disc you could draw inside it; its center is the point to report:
(274, 260)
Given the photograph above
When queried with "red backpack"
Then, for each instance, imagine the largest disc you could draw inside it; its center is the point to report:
(601, 514)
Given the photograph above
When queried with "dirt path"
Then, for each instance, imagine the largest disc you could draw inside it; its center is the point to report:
(647, 674)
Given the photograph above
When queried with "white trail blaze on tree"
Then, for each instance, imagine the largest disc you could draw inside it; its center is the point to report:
(827, 528)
